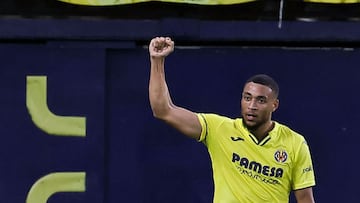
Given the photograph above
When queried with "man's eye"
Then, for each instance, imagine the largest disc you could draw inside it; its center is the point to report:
(262, 100)
(246, 98)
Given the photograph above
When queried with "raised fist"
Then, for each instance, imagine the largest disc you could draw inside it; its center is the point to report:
(161, 47)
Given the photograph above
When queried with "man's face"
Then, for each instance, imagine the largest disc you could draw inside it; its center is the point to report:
(257, 104)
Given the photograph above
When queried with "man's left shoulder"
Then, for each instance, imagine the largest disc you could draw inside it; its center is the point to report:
(287, 132)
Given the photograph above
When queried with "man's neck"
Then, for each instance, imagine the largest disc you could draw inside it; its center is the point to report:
(262, 131)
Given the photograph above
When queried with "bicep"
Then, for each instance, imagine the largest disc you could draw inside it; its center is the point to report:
(184, 121)
(304, 195)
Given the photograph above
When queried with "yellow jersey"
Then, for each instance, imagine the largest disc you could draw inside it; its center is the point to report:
(246, 170)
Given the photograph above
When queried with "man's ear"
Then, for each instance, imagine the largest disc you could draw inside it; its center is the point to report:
(275, 105)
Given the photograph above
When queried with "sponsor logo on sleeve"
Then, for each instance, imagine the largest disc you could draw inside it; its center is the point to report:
(307, 169)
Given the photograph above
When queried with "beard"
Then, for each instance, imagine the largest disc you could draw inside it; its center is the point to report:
(253, 126)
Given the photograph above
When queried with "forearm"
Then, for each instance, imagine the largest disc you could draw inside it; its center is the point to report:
(304, 195)
(159, 96)
(306, 201)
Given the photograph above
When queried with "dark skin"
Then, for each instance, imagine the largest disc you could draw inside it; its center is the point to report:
(257, 104)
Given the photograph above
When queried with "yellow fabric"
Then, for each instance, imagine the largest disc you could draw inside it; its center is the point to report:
(334, 1)
(119, 2)
(245, 170)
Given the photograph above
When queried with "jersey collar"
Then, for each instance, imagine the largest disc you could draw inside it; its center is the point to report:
(271, 135)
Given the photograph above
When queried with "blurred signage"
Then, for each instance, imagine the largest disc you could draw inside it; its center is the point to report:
(119, 2)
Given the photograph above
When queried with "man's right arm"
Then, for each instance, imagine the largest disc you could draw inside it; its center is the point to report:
(162, 106)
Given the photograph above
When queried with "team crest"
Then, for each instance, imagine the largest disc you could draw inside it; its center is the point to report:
(281, 156)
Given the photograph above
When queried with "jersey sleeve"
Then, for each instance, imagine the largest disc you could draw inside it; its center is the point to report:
(204, 126)
(303, 172)
(209, 124)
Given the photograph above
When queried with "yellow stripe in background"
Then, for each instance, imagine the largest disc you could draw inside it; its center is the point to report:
(53, 183)
(120, 2)
(43, 118)
(334, 1)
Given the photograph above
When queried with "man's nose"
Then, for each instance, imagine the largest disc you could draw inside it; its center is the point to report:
(252, 104)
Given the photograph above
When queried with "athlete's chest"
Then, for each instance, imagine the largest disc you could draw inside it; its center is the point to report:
(268, 159)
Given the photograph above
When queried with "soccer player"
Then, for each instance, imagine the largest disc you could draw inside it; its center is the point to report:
(254, 159)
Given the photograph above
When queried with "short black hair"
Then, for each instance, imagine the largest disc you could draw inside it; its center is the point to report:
(266, 80)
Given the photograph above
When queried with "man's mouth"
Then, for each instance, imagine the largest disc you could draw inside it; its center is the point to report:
(250, 116)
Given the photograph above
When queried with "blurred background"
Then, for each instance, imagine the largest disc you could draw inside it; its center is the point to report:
(253, 10)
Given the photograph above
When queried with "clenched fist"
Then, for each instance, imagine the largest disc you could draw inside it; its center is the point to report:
(160, 47)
